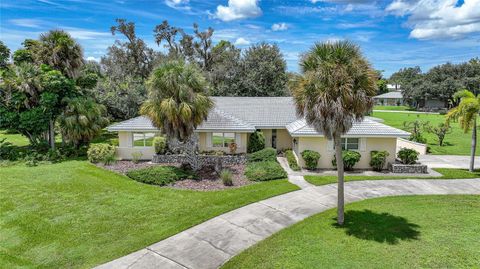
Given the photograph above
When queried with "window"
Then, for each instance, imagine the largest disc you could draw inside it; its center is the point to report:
(143, 139)
(274, 138)
(222, 140)
(350, 143)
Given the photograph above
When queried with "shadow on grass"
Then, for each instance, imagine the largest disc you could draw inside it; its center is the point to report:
(379, 227)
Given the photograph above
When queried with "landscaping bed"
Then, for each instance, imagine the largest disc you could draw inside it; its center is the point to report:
(209, 180)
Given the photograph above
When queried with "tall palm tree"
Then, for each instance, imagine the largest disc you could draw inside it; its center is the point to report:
(466, 113)
(335, 90)
(60, 51)
(177, 102)
(82, 120)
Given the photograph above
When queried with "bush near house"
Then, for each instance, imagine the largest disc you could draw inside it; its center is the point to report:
(101, 152)
(378, 159)
(263, 171)
(292, 161)
(226, 176)
(350, 158)
(408, 156)
(268, 154)
(160, 144)
(256, 142)
(160, 175)
(311, 159)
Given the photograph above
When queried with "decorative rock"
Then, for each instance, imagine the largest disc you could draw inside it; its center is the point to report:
(417, 168)
(205, 160)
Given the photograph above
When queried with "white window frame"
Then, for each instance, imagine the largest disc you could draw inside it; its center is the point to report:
(224, 145)
(143, 139)
(345, 142)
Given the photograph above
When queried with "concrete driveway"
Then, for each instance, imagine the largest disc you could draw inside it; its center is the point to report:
(448, 161)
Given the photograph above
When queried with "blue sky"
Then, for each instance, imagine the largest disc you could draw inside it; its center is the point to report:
(392, 34)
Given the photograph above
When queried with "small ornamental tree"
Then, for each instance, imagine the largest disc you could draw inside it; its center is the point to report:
(256, 142)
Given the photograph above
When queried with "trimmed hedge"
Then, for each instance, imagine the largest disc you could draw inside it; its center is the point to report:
(268, 154)
(292, 161)
(160, 175)
(378, 159)
(350, 158)
(101, 152)
(311, 159)
(263, 171)
(160, 144)
(408, 156)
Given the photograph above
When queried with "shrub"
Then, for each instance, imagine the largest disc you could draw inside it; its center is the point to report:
(408, 156)
(101, 153)
(136, 156)
(378, 159)
(160, 175)
(256, 142)
(226, 176)
(263, 171)
(160, 144)
(311, 159)
(8, 151)
(350, 158)
(292, 161)
(268, 154)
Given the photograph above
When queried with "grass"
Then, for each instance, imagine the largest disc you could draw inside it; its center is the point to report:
(455, 143)
(75, 215)
(447, 173)
(393, 108)
(14, 138)
(390, 232)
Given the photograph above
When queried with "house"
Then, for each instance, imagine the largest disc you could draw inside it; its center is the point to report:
(234, 118)
(393, 97)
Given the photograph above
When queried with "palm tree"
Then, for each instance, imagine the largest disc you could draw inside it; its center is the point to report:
(177, 102)
(82, 120)
(60, 51)
(335, 90)
(466, 113)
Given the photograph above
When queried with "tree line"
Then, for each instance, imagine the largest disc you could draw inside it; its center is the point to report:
(440, 82)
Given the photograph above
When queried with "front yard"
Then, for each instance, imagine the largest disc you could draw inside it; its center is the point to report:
(76, 215)
(391, 232)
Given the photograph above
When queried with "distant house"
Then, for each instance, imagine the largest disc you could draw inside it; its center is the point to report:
(234, 118)
(393, 97)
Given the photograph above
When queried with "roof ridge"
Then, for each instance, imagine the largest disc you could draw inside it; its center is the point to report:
(235, 119)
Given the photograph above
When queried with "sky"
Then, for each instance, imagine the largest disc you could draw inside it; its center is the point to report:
(392, 34)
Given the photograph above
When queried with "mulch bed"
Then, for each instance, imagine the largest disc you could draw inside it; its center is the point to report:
(209, 180)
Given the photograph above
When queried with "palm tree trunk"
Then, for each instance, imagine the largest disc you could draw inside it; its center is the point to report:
(474, 146)
(340, 194)
(52, 134)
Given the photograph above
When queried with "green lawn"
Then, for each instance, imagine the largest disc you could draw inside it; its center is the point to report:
(390, 232)
(455, 143)
(15, 139)
(393, 108)
(447, 173)
(75, 215)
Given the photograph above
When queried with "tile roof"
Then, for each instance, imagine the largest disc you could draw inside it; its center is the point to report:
(367, 127)
(390, 95)
(245, 114)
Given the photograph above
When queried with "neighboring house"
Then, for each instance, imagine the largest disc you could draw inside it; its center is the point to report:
(234, 118)
(389, 99)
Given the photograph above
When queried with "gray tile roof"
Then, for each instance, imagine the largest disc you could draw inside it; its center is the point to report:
(217, 120)
(390, 95)
(367, 127)
(245, 114)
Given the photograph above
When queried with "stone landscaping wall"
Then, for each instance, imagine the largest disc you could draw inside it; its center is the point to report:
(408, 168)
(205, 160)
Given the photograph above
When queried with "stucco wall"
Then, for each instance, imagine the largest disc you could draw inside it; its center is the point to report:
(125, 153)
(284, 140)
(403, 143)
(325, 148)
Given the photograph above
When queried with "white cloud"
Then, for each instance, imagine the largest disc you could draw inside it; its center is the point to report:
(238, 9)
(242, 42)
(178, 4)
(84, 34)
(279, 26)
(91, 58)
(29, 23)
(439, 19)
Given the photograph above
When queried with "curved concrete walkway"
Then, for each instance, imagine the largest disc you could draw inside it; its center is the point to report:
(212, 243)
